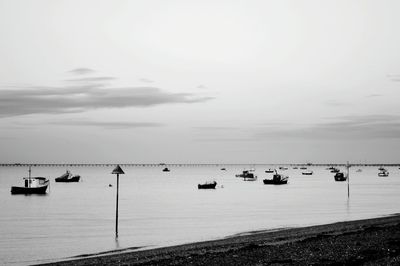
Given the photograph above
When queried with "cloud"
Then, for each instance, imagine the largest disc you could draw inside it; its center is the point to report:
(80, 98)
(394, 77)
(91, 79)
(215, 128)
(81, 71)
(344, 128)
(373, 95)
(146, 80)
(108, 125)
(336, 103)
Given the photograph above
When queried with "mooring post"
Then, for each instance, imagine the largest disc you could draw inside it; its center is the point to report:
(117, 170)
(348, 180)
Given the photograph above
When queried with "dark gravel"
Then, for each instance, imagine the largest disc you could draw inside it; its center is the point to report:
(363, 242)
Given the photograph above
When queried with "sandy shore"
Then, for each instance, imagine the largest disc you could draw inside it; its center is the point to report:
(362, 242)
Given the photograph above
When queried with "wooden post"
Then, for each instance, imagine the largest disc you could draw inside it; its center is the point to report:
(117, 170)
(348, 181)
(116, 211)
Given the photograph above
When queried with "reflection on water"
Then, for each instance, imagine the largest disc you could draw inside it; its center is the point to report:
(165, 208)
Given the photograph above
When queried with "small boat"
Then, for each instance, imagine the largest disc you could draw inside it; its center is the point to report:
(277, 179)
(243, 174)
(359, 170)
(207, 185)
(383, 173)
(335, 170)
(32, 185)
(269, 170)
(223, 169)
(250, 177)
(381, 169)
(295, 167)
(68, 177)
(283, 168)
(303, 168)
(339, 176)
(309, 172)
(166, 169)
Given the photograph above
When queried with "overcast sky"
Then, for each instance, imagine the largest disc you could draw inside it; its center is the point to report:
(199, 81)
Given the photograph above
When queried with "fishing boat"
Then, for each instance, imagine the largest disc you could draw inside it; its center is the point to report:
(68, 177)
(207, 185)
(308, 172)
(32, 185)
(339, 176)
(269, 170)
(383, 173)
(335, 170)
(277, 179)
(166, 169)
(243, 174)
(250, 177)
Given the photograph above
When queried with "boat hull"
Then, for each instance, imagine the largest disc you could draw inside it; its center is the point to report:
(207, 186)
(75, 178)
(29, 190)
(274, 182)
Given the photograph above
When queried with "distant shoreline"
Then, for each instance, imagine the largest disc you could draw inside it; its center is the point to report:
(196, 164)
(375, 241)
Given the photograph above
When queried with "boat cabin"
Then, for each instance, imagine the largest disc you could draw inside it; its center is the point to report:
(34, 181)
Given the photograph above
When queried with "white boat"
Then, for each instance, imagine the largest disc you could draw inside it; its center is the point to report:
(383, 173)
(250, 177)
(308, 172)
(32, 185)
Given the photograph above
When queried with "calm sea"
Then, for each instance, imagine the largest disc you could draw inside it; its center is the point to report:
(165, 208)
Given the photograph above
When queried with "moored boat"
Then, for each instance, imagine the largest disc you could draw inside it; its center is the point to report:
(32, 185)
(166, 169)
(339, 176)
(335, 170)
(207, 185)
(68, 177)
(383, 173)
(269, 170)
(277, 179)
(309, 172)
(250, 177)
(243, 174)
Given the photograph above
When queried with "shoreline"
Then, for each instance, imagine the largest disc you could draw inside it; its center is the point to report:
(375, 240)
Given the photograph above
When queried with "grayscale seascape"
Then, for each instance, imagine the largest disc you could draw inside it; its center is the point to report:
(90, 86)
(165, 208)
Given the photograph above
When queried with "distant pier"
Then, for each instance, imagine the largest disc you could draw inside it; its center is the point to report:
(196, 164)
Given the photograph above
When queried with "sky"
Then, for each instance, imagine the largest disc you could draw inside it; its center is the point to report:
(199, 81)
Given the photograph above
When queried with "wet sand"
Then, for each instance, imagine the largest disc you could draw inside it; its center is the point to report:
(363, 242)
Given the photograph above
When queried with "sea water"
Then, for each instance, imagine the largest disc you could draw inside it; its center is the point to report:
(165, 208)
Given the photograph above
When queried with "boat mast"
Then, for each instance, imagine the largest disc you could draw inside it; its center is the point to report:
(29, 178)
